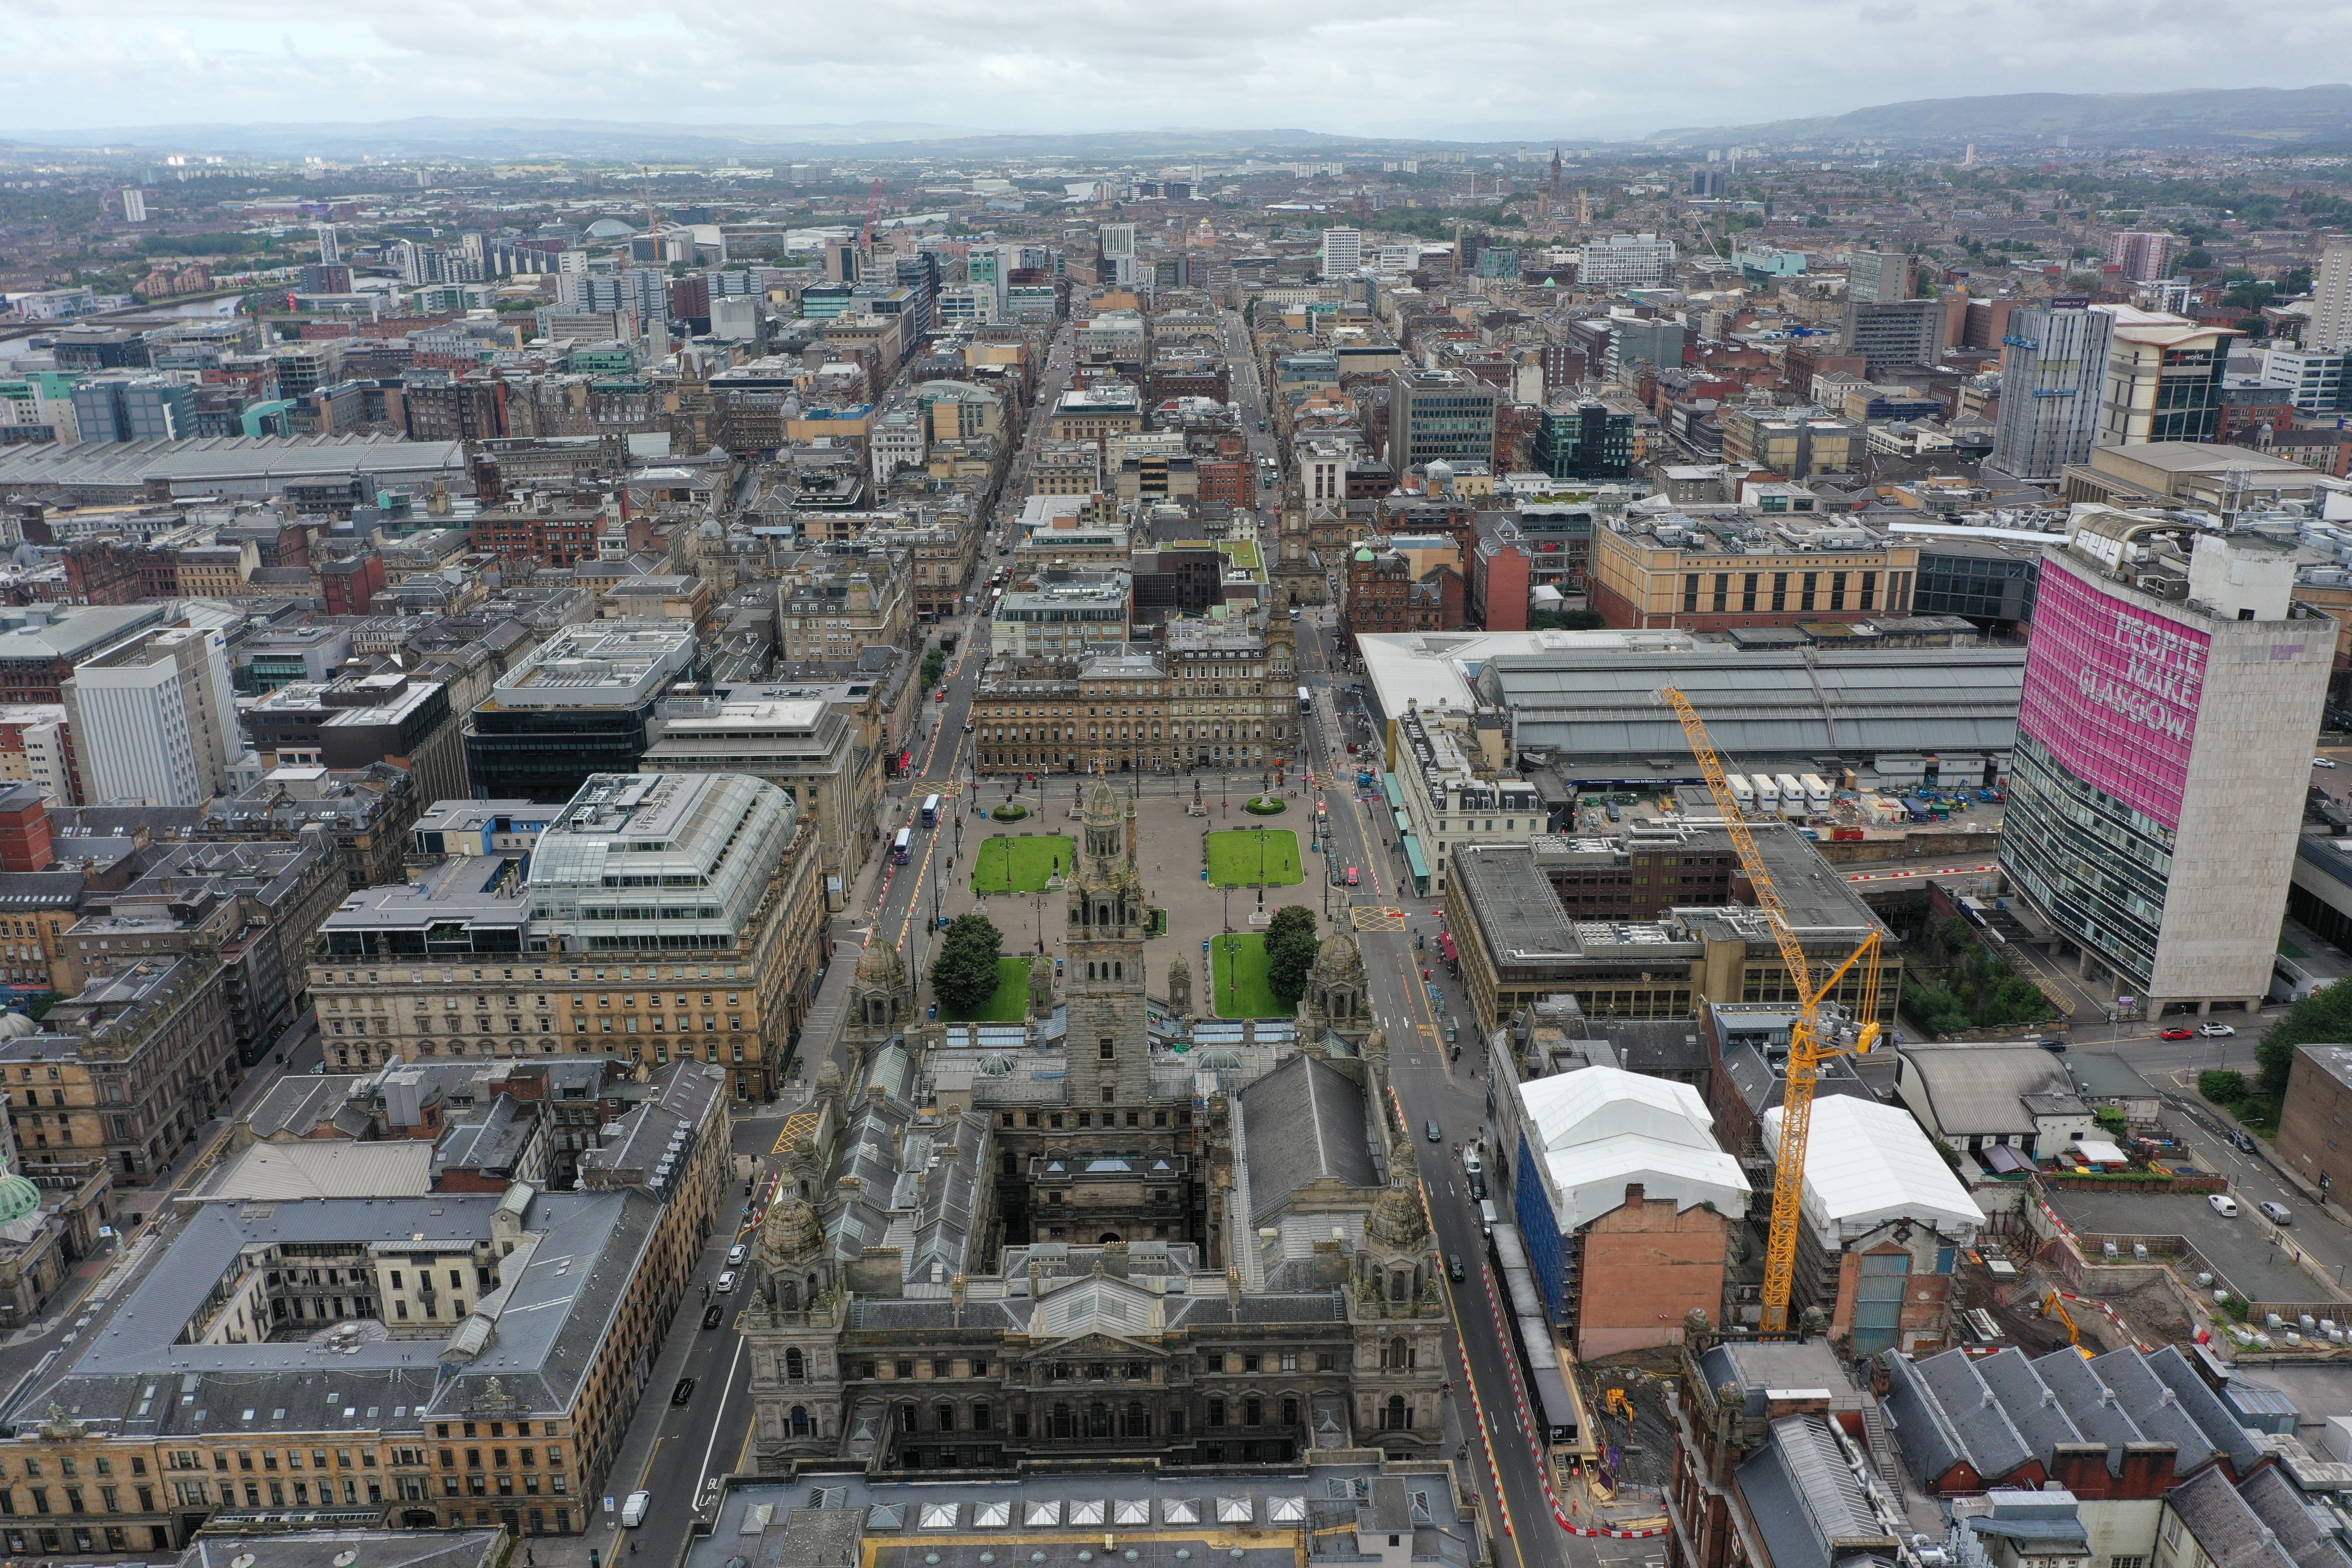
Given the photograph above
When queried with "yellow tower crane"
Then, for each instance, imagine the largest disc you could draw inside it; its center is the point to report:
(1822, 1029)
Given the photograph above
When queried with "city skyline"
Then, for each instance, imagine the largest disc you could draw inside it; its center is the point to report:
(1047, 68)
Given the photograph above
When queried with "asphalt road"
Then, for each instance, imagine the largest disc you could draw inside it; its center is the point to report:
(1451, 1094)
(678, 1452)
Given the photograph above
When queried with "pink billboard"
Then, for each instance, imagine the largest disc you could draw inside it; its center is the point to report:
(2112, 692)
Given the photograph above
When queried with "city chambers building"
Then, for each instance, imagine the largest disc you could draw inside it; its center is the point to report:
(1110, 1230)
(1211, 695)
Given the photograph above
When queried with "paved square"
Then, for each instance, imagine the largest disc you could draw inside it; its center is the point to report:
(1170, 857)
(1247, 857)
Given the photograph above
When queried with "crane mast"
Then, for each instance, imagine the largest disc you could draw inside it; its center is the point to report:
(1813, 1035)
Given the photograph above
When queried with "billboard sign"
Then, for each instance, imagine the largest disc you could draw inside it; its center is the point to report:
(2112, 692)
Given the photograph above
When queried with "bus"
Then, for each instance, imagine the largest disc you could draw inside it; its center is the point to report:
(930, 811)
(1306, 700)
(902, 848)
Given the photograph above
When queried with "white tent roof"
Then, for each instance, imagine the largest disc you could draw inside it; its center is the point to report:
(1599, 1130)
(1867, 1164)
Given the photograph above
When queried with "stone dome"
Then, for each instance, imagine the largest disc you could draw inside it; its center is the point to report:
(878, 964)
(16, 1025)
(1396, 1221)
(791, 1230)
(18, 1198)
(1102, 806)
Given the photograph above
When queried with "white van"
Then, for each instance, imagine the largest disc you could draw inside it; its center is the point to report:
(1486, 1221)
(633, 1512)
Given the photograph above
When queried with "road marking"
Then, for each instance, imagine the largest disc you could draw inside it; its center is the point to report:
(720, 1418)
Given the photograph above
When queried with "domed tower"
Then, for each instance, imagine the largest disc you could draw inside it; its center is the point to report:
(1337, 997)
(1398, 1311)
(1103, 947)
(793, 1325)
(881, 1001)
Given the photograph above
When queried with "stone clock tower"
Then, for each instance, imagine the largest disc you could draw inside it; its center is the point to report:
(1110, 1043)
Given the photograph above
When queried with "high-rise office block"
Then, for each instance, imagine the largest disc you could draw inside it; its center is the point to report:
(1439, 415)
(154, 721)
(2163, 378)
(134, 205)
(2054, 364)
(119, 407)
(1892, 334)
(2331, 299)
(1625, 261)
(2143, 255)
(1877, 277)
(1343, 252)
(2164, 751)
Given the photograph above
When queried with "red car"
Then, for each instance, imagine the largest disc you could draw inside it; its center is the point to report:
(2179, 1034)
(1351, 876)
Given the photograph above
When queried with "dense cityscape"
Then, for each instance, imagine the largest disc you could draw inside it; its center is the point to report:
(1755, 729)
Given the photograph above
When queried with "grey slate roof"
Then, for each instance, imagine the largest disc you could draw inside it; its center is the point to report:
(1988, 1436)
(2307, 1534)
(2231, 1533)
(2034, 1407)
(1804, 1499)
(136, 1379)
(1305, 1121)
(2099, 1412)
(1997, 1412)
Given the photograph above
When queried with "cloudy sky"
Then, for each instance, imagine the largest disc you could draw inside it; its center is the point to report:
(1365, 67)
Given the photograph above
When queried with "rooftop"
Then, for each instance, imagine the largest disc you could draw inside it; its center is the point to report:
(600, 664)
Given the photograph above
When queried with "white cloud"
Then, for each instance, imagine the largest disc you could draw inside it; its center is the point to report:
(1379, 66)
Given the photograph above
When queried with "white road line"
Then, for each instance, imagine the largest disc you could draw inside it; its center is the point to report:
(719, 1419)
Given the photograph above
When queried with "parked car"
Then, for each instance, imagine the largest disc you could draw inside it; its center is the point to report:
(2321, 762)
(1454, 1267)
(2054, 1045)
(711, 1317)
(737, 1253)
(683, 1392)
(2244, 1141)
(2224, 1205)
(2176, 1033)
(2216, 1031)
(2277, 1213)
(726, 1283)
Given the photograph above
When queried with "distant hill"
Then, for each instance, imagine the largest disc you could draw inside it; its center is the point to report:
(436, 137)
(2238, 116)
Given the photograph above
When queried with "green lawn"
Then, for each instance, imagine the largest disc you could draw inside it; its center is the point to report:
(1239, 965)
(1011, 1003)
(1006, 865)
(1234, 857)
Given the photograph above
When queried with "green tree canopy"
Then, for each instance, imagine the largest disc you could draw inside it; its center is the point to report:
(964, 976)
(2324, 1017)
(1290, 946)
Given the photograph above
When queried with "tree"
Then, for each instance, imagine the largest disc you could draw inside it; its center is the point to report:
(1290, 948)
(934, 663)
(2222, 1086)
(2197, 259)
(2324, 1017)
(964, 974)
